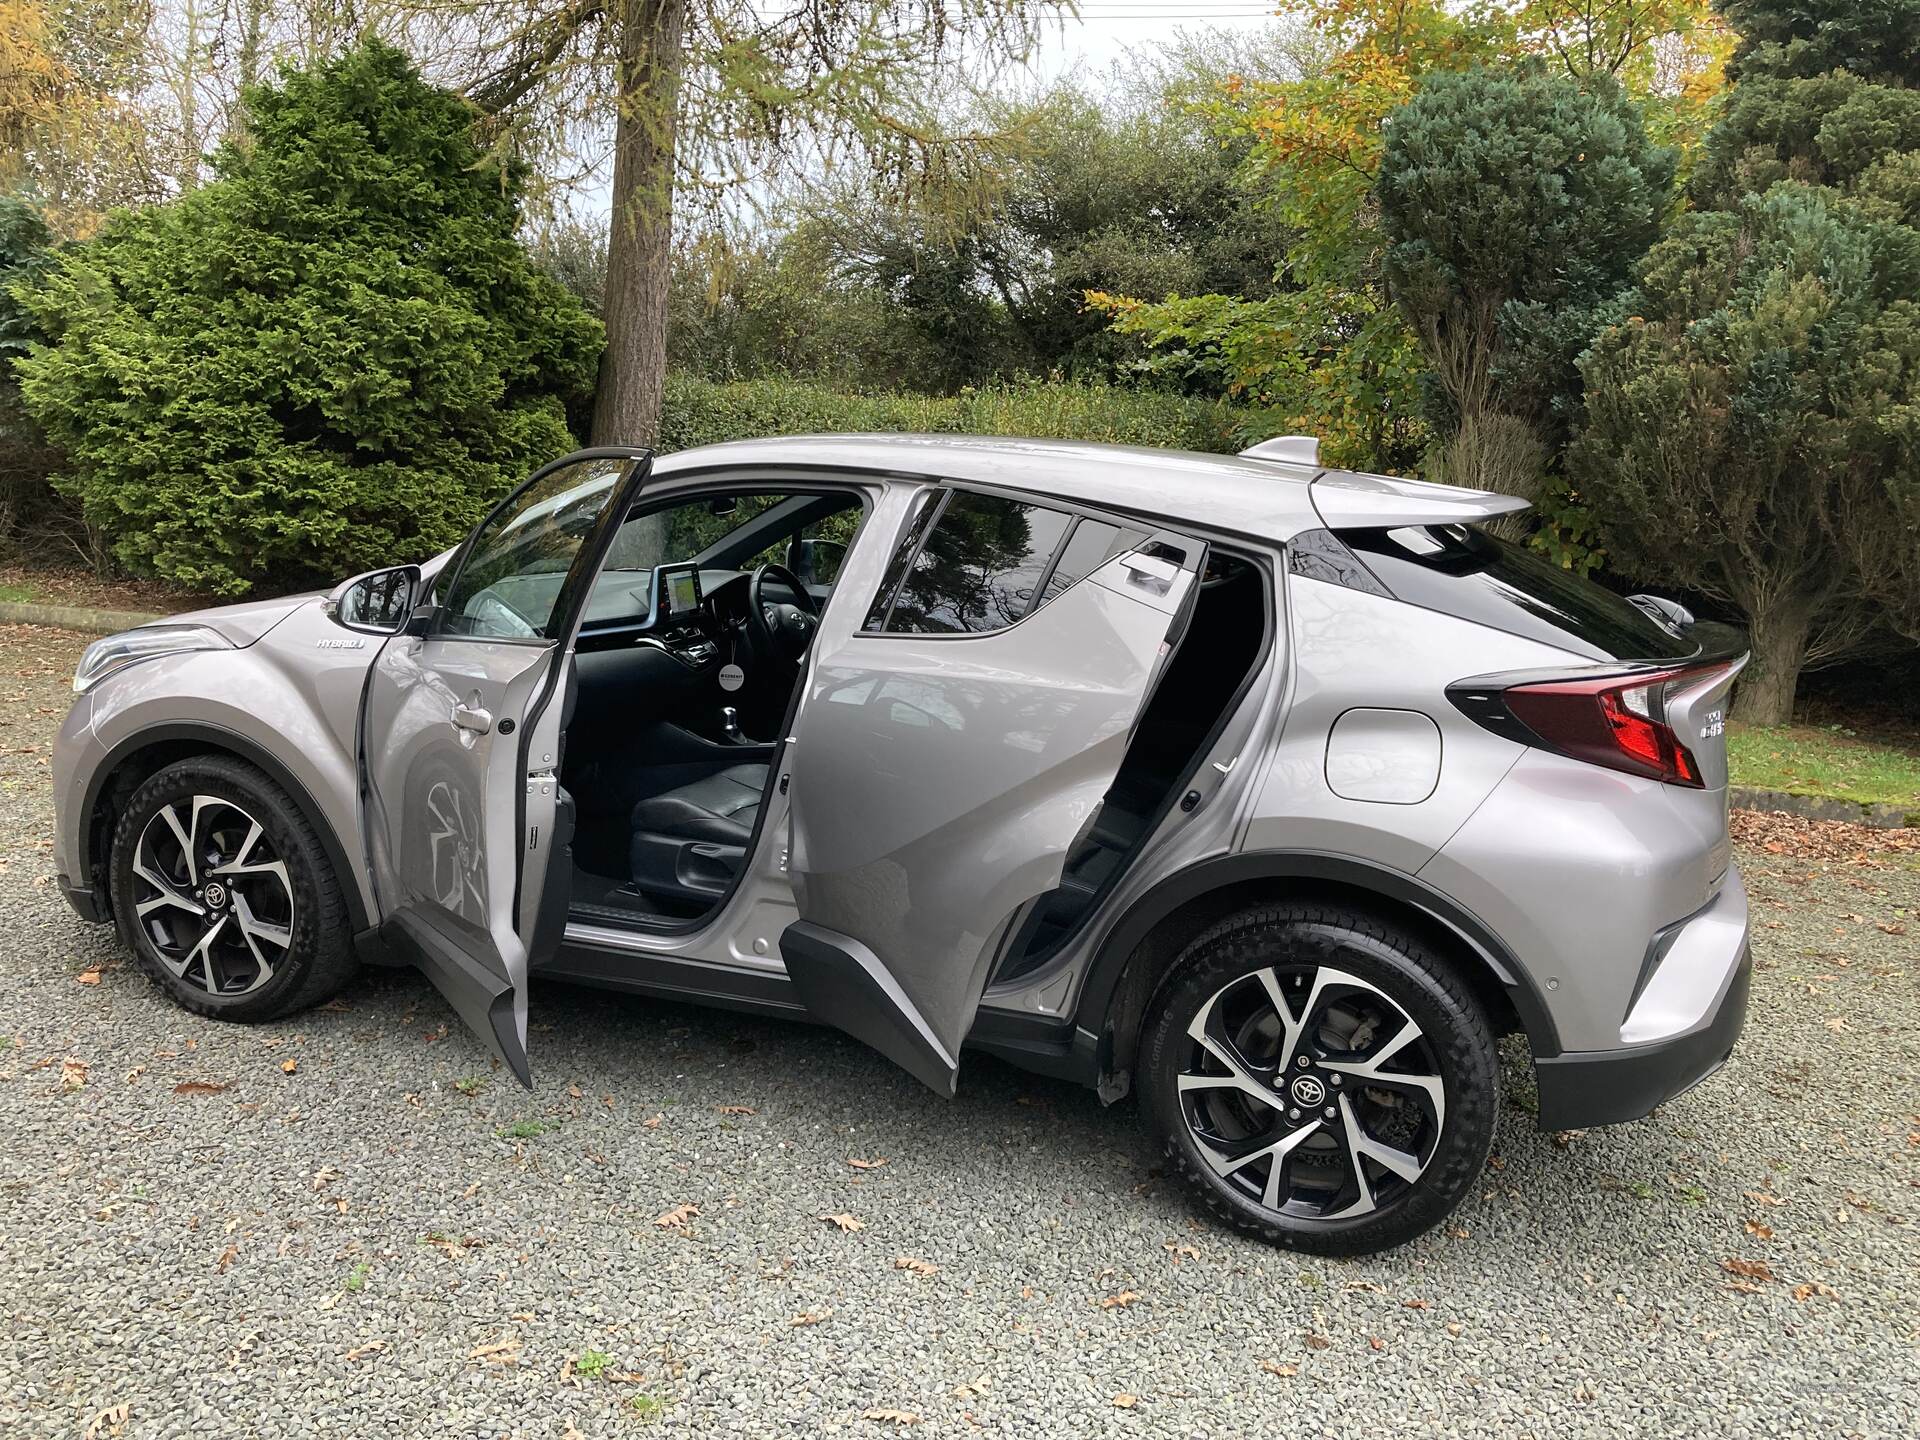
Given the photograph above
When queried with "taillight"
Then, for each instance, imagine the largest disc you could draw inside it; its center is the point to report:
(1619, 721)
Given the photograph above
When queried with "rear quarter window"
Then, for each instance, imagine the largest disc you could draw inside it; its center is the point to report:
(1464, 572)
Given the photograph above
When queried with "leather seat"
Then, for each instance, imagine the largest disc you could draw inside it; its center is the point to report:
(688, 842)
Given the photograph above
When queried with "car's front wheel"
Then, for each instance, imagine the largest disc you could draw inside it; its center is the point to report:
(1323, 1080)
(225, 894)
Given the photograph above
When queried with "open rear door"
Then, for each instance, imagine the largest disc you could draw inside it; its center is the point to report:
(938, 783)
(461, 728)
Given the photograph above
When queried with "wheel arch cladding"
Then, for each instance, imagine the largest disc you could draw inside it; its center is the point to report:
(1140, 949)
(129, 764)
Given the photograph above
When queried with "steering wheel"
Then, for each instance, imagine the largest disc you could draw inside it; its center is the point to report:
(778, 630)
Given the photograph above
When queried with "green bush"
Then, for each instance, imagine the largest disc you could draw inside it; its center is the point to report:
(701, 412)
(335, 353)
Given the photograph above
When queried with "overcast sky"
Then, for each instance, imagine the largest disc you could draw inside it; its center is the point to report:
(1107, 29)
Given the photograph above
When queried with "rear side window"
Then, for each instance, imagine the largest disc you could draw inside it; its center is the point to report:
(1467, 573)
(980, 567)
(1093, 543)
(928, 507)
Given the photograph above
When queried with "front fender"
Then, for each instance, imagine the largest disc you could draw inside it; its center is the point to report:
(289, 703)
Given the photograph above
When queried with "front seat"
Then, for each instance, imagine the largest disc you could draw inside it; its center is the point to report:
(689, 843)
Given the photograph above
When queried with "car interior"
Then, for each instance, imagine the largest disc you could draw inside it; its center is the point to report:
(688, 658)
(693, 644)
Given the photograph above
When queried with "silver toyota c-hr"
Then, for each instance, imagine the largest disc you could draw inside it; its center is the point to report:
(1271, 793)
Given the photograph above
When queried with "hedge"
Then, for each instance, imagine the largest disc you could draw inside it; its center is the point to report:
(701, 412)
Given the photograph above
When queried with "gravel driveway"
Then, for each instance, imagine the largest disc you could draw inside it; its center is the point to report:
(352, 1225)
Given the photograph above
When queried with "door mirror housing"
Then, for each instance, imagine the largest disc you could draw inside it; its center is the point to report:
(379, 602)
(816, 562)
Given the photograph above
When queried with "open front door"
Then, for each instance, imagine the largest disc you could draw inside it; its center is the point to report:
(461, 730)
(939, 780)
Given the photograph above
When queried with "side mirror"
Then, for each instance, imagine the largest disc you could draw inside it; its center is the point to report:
(816, 562)
(379, 602)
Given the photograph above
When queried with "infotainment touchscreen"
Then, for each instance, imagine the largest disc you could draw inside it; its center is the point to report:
(678, 587)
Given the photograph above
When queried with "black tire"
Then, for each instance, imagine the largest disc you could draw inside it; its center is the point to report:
(317, 958)
(1294, 943)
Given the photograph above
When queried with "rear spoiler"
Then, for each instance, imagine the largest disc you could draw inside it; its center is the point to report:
(1351, 500)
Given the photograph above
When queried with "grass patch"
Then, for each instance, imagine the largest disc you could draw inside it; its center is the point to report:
(592, 1364)
(17, 594)
(1823, 760)
(524, 1129)
(647, 1408)
(356, 1280)
(470, 1085)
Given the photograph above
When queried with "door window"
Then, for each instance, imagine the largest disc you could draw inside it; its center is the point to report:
(980, 567)
(510, 574)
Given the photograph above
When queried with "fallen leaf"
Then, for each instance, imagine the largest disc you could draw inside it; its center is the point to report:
(873, 1164)
(915, 1264)
(73, 1073)
(288, 1066)
(845, 1222)
(1274, 1367)
(89, 976)
(736, 1110)
(1454, 1327)
(1811, 1289)
(324, 1177)
(501, 1353)
(890, 1417)
(1759, 1231)
(1376, 1342)
(654, 1123)
(1319, 1342)
(1120, 1301)
(677, 1217)
(1747, 1269)
(973, 1389)
(1180, 1251)
(1417, 1304)
(108, 1422)
(227, 1257)
(1760, 1197)
(1124, 1401)
(576, 1092)
(810, 1317)
(372, 1347)
(200, 1087)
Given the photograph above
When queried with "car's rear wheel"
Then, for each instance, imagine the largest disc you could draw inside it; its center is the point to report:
(224, 892)
(1323, 1080)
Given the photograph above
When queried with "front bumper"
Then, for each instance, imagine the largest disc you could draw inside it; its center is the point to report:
(87, 902)
(1605, 1087)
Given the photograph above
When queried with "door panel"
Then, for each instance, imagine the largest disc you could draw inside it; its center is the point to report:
(938, 784)
(461, 731)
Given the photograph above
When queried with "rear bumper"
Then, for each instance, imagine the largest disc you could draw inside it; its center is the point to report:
(1605, 1087)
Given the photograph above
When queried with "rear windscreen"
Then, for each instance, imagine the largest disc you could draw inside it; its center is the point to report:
(1467, 573)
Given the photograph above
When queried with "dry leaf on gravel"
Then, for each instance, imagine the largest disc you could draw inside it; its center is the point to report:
(200, 1087)
(108, 1422)
(1812, 1288)
(1759, 1231)
(1781, 834)
(654, 1123)
(1321, 1342)
(227, 1257)
(1120, 1301)
(1180, 1252)
(884, 1416)
(915, 1264)
(502, 1353)
(810, 1317)
(1747, 1269)
(372, 1347)
(1761, 1197)
(973, 1389)
(873, 1164)
(89, 976)
(1274, 1367)
(736, 1110)
(287, 1067)
(73, 1073)
(845, 1222)
(677, 1217)
(1124, 1401)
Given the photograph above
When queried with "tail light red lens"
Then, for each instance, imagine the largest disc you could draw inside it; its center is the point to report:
(1616, 721)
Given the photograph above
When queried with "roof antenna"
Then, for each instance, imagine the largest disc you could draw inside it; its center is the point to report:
(1287, 450)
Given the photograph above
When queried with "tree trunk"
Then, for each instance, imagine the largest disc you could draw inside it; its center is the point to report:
(1779, 648)
(640, 248)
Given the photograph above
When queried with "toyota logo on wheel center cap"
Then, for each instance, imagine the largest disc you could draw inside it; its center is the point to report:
(1308, 1091)
(215, 895)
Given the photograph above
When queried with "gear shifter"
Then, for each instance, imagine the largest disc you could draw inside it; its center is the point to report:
(730, 725)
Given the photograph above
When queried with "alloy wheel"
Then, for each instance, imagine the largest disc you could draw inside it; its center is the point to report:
(1312, 1091)
(212, 897)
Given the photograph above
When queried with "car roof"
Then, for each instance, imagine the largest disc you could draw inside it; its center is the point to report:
(1275, 499)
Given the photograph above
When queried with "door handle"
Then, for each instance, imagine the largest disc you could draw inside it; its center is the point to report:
(472, 716)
